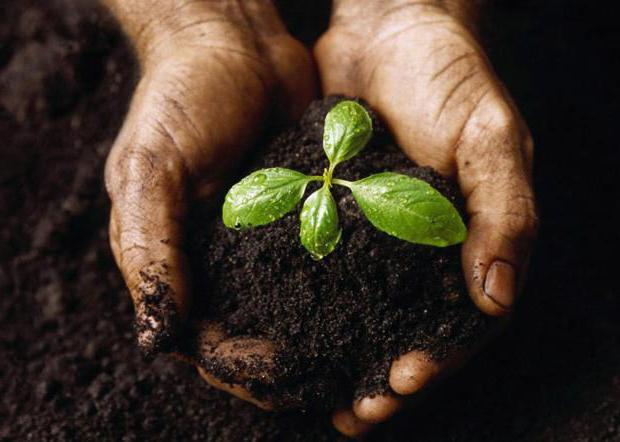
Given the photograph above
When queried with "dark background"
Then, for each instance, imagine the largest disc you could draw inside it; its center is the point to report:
(68, 366)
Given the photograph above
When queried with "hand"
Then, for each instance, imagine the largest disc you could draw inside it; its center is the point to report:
(210, 72)
(418, 64)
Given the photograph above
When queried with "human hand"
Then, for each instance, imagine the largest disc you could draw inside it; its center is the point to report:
(210, 72)
(420, 66)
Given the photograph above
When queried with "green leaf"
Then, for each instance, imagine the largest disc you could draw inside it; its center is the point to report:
(263, 197)
(409, 209)
(319, 223)
(348, 128)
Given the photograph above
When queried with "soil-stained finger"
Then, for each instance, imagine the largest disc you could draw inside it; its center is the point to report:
(234, 389)
(347, 423)
(377, 408)
(494, 171)
(147, 189)
(415, 370)
(236, 359)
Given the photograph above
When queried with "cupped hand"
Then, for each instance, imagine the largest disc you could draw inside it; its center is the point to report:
(420, 66)
(210, 74)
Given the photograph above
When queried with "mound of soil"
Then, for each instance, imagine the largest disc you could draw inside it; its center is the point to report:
(336, 323)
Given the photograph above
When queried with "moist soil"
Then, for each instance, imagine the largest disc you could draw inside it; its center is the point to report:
(335, 323)
(69, 365)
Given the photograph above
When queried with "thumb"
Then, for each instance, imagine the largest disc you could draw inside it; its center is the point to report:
(146, 180)
(493, 160)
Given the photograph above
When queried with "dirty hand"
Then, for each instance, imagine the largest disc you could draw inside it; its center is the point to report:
(210, 72)
(419, 64)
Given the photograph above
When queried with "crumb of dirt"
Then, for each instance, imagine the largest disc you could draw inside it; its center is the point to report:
(336, 324)
(157, 319)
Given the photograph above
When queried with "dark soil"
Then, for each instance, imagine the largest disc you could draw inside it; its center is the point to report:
(69, 366)
(336, 323)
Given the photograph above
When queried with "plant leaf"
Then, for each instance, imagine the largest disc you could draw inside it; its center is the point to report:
(409, 209)
(263, 196)
(348, 128)
(319, 231)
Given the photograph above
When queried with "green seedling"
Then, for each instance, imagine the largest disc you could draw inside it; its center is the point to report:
(400, 205)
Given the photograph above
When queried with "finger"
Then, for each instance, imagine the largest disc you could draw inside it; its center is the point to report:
(230, 364)
(493, 165)
(237, 359)
(378, 408)
(415, 370)
(409, 374)
(347, 423)
(234, 389)
(146, 179)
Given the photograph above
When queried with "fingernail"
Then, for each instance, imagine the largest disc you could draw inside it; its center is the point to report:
(500, 284)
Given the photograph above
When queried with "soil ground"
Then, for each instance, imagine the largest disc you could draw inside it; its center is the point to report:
(69, 367)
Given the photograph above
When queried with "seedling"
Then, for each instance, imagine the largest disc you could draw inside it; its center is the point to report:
(402, 206)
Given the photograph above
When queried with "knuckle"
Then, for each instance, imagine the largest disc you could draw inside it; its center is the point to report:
(492, 132)
(494, 120)
(527, 225)
(522, 221)
(502, 121)
(141, 171)
(514, 215)
(141, 166)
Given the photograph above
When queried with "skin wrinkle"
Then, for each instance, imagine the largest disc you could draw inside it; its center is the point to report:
(460, 133)
(134, 247)
(367, 50)
(177, 29)
(362, 14)
(451, 64)
(212, 34)
(464, 80)
(163, 130)
(145, 175)
(176, 104)
(370, 78)
(463, 139)
(127, 161)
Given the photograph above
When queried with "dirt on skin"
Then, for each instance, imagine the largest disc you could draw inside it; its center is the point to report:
(157, 322)
(335, 324)
(69, 364)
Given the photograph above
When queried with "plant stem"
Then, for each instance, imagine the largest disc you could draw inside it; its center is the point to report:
(316, 178)
(344, 183)
(327, 175)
